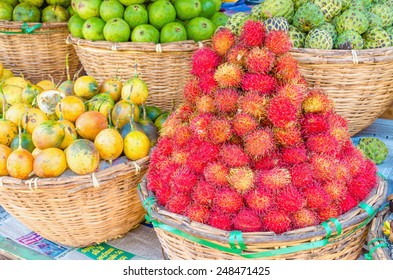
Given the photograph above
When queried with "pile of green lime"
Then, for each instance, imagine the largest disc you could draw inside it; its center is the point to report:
(157, 21)
(36, 10)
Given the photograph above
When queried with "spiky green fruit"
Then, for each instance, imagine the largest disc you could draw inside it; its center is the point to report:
(335, 20)
(345, 4)
(330, 8)
(349, 40)
(307, 17)
(384, 12)
(352, 20)
(298, 3)
(389, 30)
(319, 39)
(357, 5)
(236, 22)
(373, 20)
(376, 37)
(329, 28)
(297, 37)
(374, 149)
(278, 8)
(276, 23)
(256, 12)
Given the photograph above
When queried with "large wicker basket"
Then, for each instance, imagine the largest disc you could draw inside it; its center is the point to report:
(37, 50)
(78, 210)
(343, 238)
(359, 82)
(164, 67)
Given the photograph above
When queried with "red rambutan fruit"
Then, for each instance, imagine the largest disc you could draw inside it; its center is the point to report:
(317, 102)
(181, 136)
(323, 143)
(166, 170)
(290, 199)
(358, 188)
(278, 42)
(281, 112)
(259, 200)
(198, 213)
(178, 203)
(347, 203)
(335, 120)
(205, 104)
(219, 130)
(302, 175)
(228, 75)
(294, 155)
(183, 180)
(204, 60)
(354, 160)
(254, 104)
(336, 190)
(342, 172)
(203, 193)
(184, 112)
(276, 221)
(286, 68)
(274, 179)
(268, 162)
(164, 147)
(261, 83)
(294, 93)
(316, 197)
(288, 137)
(223, 39)
(247, 221)
(209, 151)
(252, 34)
(207, 83)
(260, 60)
(314, 124)
(216, 174)
(324, 167)
(237, 55)
(305, 218)
(226, 100)
(192, 90)
(180, 156)
(170, 126)
(198, 125)
(233, 155)
(163, 194)
(243, 123)
(259, 143)
(370, 173)
(220, 220)
(331, 211)
(228, 200)
(241, 178)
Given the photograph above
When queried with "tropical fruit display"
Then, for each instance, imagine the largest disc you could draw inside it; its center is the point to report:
(253, 148)
(46, 129)
(36, 10)
(161, 21)
(325, 24)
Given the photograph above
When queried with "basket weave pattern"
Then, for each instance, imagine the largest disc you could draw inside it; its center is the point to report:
(78, 210)
(38, 54)
(348, 245)
(359, 82)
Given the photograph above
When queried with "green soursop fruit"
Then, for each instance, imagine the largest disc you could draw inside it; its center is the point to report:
(334, 20)
(345, 4)
(236, 22)
(352, 20)
(276, 23)
(389, 30)
(329, 28)
(384, 12)
(374, 149)
(307, 17)
(298, 3)
(367, 3)
(373, 20)
(256, 13)
(376, 37)
(278, 8)
(349, 40)
(319, 39)
(357, 5)
(297, 37)
(330, 8)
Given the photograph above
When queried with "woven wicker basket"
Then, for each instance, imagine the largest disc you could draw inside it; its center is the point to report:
(376, 240)
(78, 210)
(164, 67)
(182, 239)
(359, 82)
(37, 54)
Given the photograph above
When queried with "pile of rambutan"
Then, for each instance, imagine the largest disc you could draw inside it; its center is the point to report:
(253, 148)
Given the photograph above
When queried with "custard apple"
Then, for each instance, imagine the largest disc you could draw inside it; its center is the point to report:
(256, 12)
(384, 12)
(307, 17)
(373, 20)
(357, 5)
(345, 4)
(276, 23)
(389, 30)
(334, 20)
(236, 22)
(329, 28)
(297, 37)
(319, 39)
(330, 8)
(278, 8)
(352, 20)
(376, 37)
(298, 3)
(374, 149)
(349, 40)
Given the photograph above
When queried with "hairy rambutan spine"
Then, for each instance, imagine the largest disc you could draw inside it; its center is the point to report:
(242, 179)
(305, 218)
(261, 83)
(226, 100)
(281, 112)
(254, 104)
(274, 179)
(204, 60)
(228, 75)
(219, 130)
(247, 221)
(260, 60)
(259, 200)
(276, 221)
(203, 193)
(222, 40)
(233, 155)
(259, 143)
(278, 42)
(252, 34)
(228, 200)
(216, 174)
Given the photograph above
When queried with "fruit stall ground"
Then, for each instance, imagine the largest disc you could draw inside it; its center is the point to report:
(141, 243)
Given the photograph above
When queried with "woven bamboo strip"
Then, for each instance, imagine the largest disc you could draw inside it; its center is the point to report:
(381, 253)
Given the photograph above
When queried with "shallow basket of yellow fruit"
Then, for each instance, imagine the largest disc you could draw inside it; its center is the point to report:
(359, 82)
(37, 49)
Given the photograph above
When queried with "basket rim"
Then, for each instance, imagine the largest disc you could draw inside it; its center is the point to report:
(74, 181)
(44, 25)
(376, 233)
(181, 46)
(347, 220)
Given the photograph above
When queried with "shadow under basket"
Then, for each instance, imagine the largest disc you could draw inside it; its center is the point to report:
(359, 82)
(341, 238)
(78, 210)
(164, 67)
(37, 51)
